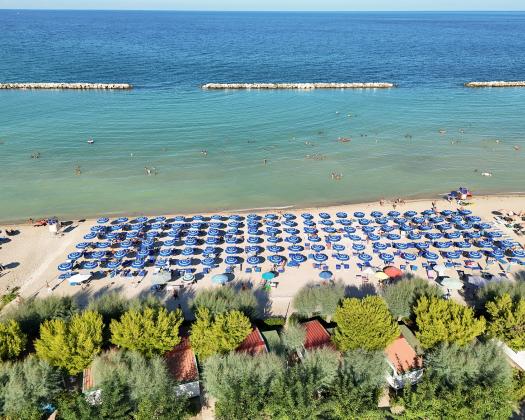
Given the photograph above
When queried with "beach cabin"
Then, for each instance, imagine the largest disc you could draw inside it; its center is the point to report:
(405, 365)
(253, 344)
(316, 337)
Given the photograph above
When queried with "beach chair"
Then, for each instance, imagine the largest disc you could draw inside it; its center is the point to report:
(346, 266)
(325, 267)
(338, 266)
(413, 267)
(317, 265)
(248, 271)
(402, 266)
(257, 269)
(280, 270)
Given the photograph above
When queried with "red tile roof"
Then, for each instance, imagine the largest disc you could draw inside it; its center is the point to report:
(316, 336)
(181, 362)
(403, 356)
(87, 380)
(253, 344)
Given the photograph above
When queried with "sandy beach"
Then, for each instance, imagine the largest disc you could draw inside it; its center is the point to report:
(32, 255)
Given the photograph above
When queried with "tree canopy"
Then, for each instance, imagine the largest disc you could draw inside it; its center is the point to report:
(292, 336)
(71, 345)
(12, 340)
(446, 321)
(506, 320)
(314, 299)
(225, 299)
(219, 334)
(149, 330)
(364, 323)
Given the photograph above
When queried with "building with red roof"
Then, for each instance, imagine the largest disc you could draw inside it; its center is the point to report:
(253, 344)
(316, 336)
(406, 366)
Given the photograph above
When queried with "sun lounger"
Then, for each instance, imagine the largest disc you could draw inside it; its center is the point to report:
(346, 266)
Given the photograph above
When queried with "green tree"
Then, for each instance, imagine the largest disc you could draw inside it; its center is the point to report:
(73, 406)
(29, 385)
(314, 299)
(241, 383)
(440, 320)
(506, 321)
(495, 289)
(72, 345)
(12, 340)
(402, 295)
(149, 331)
(364, 323)
(220, 335)
(293, 337)
(116, 403)
(227, 298)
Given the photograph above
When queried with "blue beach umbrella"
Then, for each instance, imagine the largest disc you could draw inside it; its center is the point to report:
(231, 240)
(452, 255)
(463, 245)
(341, 215)
(74, 255)
(325, 275)
(374, 237)
(66, 266)
(437, 219)
(350, 229)
(144, 252)
(401, 245)
(388, 228)
(418, 219)
(292, 231)
(464, 212)
(318, 248)
(212, 240)
(156, 226)
(254, 249)
(97, 255)
(309, 223)
(447, 212)
(393, 213)
(410, 213)
(518, 253)
(359, 214)
(113, 264)
(102, 220)
(289, 216)
(273, 239)
(290, 223)
(313, 238)
(358, 247)
(126, 244)
(475, 255)
(275, 259)
(324, 215)
(380, 246)
(320, 257)
(368, 229)
(452, 235)
(376, 214)
(413, 236)
(342, 257)
(338, 247)
(298, 258)
(293, 239)
(408, 256)
(334, 238)
(169, 242)
(275, 248)
(254, 240)
(327, 223)
(220, 279)
(355, 237)
(442, 245)
(82, 245)
(483, 226)
(393, 236)
(381, 221)
(344, 222)
(254, 260)
(232, 260)
(329, 230)
(89, 265)
(484, 244)
(473, 235)
(428, 212)
(121, 220)
(496, 253)
(406, 228)
(493, 234)
(103, 245)
(296, 248)
(434, 236)
(89, 236)
(430, 255)
(506, 244)
(386, 257)
(444, 226)
(400, 220)
(190, 241)
(121, 253)
(364, 221)
(230, 250)
(186, 262)
(188, 251)
(208, 261)
(166, 252)
(161, 263)
(112, 235)
(364, 257)
(421, 245)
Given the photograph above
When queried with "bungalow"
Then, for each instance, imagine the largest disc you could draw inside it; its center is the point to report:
(253, 344)
(406, 366)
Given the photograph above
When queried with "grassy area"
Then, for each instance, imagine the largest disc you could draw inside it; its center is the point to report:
(8, 297)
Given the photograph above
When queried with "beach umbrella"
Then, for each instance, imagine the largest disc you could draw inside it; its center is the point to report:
(393, 236)
(212, 240)
(326, 222)
(392, 272)
(473, 219)
(169, 242)
(364, 221)
(380, 246)
(275, 248)
(121, 253)
(89, 265)
(483, 225)
(434, 236)
(231, 240)
(365, 257)
(320, 257)
(208, 261)
(358, 247)
(114, 264)
(410, 213)
(166, 252)
(144, 252)
(214, 232)
(401, 245)
(126, 244)
(293, 239)
(462, 226)
(298, 258)
(112, 235)
(254, 260)
(497, 253)
(425, 228)
(98, 255)
(381, 221)
(484, 244)
(406, 228)
(418, 220)
(359, 214)
(232, 250)
(430, 255)
(428, 212)
(436, 219)
(179, 218)
(296, 248)
(464, 212)
(374, 237)
(506, 244)
(452, 235)
(190, 241)
(102, 220)
(82, 245)
(342, 257)
(386, 257)
(220, 279)
(254, 249)
(355, 237)
(493, 234)
(344, 222)
(121, 220)
(350, 229)
(409, 257)
(447, 212)
(103, 245)
(368, 229)
(290, 223)
(275, 259)
(400, 220)
(272, 223)
(334, 238)
(325, 275)
(341, 215)
(475, 255)
(452, 283)
(219, 217)
(386, 228)
(174, 234)
(421, 245)
(289, 216)
(254, 240)
(517, 253)
(442, 245)
(463, 245)
(444, 226)
(267, 276)
(156, 226)
(232, 260)
(74, 255)
(66, 266)
(188, 251)
(324, 215)
(273, 239)
(186, 262)
(456, 219)
(338, 247)
(393, 213)
(271, 216)
(318, 248)
(148, 242)
(309, 223)
(161, 263)
(292, 231)
(376, 214)
(473, 235)
(89, 236)
(452, 255)
(313, 238)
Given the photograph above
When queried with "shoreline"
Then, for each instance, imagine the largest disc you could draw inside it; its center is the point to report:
(292, 207)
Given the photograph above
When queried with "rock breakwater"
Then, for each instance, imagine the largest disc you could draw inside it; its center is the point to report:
(64, 86)
(301, 86)
(495, 84)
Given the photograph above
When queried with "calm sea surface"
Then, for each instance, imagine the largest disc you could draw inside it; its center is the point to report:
(427, 136)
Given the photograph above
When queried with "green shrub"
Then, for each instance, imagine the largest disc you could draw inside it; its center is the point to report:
(225, 299)
(12, 340)
(506, 320)
(275, 321)
(315, 299)
(401, 296)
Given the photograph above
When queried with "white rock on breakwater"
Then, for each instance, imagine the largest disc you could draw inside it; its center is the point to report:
(494, 84)
(73, 86)
(304, 86)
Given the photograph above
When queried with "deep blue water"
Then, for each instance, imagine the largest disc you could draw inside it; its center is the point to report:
(399, 145)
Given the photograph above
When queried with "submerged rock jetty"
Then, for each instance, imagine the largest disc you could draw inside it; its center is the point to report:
(73, 86)
(305, 86)
(495, 84)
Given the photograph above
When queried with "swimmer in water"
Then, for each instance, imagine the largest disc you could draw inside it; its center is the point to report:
(265, 161)
(204, 153)
(517, 148)
(77, 170)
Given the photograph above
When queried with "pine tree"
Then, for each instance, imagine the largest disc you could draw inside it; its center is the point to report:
(12, 340)
(507, 321)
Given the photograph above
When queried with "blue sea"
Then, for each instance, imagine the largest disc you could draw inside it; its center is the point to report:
(425, 137)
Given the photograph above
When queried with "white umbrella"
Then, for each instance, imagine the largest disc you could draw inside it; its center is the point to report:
(452, 283)
(440, 269)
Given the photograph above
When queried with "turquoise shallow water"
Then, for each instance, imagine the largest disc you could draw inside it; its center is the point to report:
(395, 149)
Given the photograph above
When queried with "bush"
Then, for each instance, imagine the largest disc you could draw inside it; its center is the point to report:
(507, 321)
(9, 297)
(12, 340)
(315, 299)
(445, 321)
(241, 383)
(225, 299)
(364, 323)
(149, 331)
(493, 290)
(221, 334)
(72, 345)
(401, 296)
(33, 312)
(275, 321)
(292, 337)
